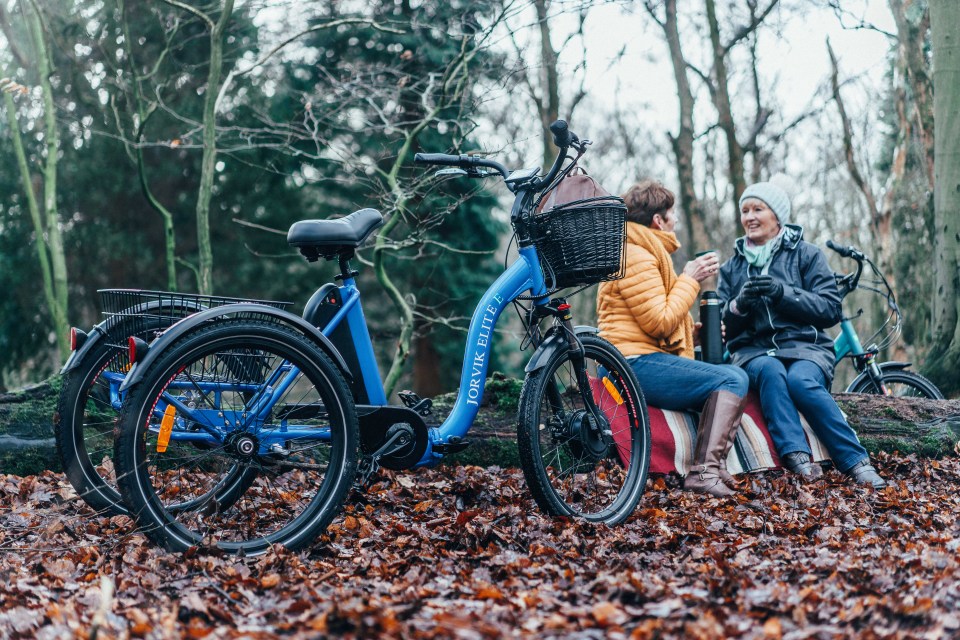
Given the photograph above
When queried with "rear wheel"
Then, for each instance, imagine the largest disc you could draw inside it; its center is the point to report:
(241, 435)
(84, 424)
(907, 384)
(574, 463)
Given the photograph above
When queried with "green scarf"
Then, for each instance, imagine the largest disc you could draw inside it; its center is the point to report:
(759, 255)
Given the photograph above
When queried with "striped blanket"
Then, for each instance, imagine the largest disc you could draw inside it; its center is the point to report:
(673, 434)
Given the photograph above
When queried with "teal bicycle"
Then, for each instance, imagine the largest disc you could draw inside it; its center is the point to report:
(882, 378)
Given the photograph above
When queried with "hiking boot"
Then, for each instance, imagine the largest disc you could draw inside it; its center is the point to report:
(800, 463)
(864, 473)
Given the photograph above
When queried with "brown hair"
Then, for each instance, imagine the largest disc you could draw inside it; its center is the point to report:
(646, 199)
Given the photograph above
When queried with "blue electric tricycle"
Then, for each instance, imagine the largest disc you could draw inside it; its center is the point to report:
(243, 426)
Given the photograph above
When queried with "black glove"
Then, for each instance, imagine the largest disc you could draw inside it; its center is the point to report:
(768, 287)
(748, 298)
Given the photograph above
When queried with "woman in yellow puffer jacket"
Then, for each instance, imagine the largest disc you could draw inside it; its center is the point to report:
(646, 315)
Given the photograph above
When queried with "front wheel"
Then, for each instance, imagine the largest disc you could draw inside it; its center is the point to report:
(906, 384)
(241, 435)
(574, 463)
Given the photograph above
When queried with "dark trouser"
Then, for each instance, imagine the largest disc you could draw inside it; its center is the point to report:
(799, 385)
(676, 383)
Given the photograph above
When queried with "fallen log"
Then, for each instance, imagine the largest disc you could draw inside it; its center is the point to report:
(928, 428)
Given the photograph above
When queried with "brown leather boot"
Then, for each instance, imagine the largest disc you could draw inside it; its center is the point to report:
(719, 422)
(725, 475)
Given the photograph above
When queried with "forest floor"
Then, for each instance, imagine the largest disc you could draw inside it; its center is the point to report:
(461, 551)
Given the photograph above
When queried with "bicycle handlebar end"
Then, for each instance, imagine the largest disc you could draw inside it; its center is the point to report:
(846, 252)
(444, 159)
(562, 136)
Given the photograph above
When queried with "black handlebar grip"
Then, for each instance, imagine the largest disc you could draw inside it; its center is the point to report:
(562, 137)
(438, 158)
(846, 252)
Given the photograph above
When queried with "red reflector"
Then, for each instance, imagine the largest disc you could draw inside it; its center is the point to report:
(563, 307)
(77, 338)
(132, 348)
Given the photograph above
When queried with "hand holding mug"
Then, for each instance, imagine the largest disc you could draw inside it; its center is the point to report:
(704, 266)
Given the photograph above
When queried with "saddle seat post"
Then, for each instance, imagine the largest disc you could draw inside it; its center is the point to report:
(346, 272)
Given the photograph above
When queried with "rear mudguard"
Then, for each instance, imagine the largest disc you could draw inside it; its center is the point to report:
(191, 322)
(554, 341)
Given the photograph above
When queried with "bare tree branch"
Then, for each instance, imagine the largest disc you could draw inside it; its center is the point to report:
(263, 59)
(750, 27)
(6, 24)
(200, 14)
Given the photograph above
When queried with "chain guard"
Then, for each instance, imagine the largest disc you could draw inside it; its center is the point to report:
(375, 423)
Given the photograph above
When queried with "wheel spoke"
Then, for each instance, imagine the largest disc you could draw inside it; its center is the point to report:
(570, 460)
(249, 486)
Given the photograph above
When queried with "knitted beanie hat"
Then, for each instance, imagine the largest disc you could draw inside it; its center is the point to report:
(774, 197)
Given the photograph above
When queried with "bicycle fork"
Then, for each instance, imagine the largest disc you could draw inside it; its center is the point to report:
(561, 309)
(873, 370)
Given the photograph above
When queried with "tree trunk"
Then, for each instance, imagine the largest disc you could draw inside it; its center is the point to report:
(696, 227)
(144, 113)
(428, 379)
(944, 361)
(910, 425)
(880, 228)
(209, 162)
(550, 83)
(913, 22)
(724, 110)
(32, 205)
(51, 136)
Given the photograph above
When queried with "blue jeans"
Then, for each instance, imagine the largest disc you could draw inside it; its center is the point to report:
(676, 383)
(788, 386)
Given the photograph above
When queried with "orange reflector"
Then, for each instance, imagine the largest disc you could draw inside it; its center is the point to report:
(612, 390)
(166, 427)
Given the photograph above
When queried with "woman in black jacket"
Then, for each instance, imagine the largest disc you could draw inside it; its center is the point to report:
(779, 296)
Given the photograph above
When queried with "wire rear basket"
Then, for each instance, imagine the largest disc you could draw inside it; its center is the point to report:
(581, 242)
(144, 313)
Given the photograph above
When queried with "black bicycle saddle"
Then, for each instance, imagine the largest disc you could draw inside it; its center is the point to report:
(332, 237)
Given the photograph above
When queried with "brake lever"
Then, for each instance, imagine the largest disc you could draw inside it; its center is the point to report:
(451, 171)
(479, 173)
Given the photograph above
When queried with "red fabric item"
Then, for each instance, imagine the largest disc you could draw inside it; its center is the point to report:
(618, 417)
(673, 434)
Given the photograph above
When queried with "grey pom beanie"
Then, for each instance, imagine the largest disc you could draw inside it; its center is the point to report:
(774, 197)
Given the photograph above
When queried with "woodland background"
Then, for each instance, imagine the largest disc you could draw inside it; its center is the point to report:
(169, 144)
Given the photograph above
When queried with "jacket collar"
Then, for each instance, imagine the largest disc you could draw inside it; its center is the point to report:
(792, 235)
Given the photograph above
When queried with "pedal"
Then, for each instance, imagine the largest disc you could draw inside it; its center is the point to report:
(411, 400)
(398, 437)
(453, 445)
(366, 470)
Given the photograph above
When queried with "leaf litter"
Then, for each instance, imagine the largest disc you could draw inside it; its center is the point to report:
(462, 552)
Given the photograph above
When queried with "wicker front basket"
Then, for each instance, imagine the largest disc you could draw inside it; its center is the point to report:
(581, 242)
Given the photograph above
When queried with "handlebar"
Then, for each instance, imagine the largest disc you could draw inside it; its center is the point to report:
(849, 282)
(847, 252)
(463, 161)
(562, 137)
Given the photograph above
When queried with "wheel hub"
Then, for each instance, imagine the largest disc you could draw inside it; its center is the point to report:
(241, 444)
(586, 437)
